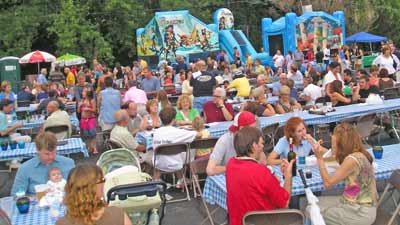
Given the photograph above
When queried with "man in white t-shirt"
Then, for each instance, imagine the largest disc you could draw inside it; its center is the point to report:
(327, 55)
(169, 135)
(333, 74)
(278, 58)
(311, 91)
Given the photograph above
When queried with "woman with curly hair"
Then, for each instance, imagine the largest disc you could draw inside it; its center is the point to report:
(84, 199)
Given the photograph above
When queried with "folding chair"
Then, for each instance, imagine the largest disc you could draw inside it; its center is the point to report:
(23, 103)
(365, 125)
(382, 216)
(106, 135)
(274, 217)
(199, 165)
(60, 131)
(269, 136)
(169, 150)
(169, 88)
(173, 100)
(391, 93)
(320, 100)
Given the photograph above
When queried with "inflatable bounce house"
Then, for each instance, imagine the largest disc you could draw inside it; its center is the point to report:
(178, 33)
(229, 38)
(308, 31)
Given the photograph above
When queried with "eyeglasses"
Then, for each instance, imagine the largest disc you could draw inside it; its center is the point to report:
(101, 181)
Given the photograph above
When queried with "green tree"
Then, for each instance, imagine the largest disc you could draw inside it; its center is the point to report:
(76, 35)
(19, 27)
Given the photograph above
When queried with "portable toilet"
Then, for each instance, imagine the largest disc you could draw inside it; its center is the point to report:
(10, 70)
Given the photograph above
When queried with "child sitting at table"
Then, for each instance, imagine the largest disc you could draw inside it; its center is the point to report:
(198, 125)
(55, 184)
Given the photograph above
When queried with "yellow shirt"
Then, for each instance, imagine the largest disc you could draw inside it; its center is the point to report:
(70, 79)
(143, 64)
(242, 86)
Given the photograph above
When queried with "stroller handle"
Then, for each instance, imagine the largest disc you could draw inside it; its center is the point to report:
(303, 178)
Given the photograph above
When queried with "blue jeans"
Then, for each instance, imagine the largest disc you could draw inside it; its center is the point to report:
(198, 102)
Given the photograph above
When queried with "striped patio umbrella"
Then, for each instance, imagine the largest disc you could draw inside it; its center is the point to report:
(69, 60)
(37, 57)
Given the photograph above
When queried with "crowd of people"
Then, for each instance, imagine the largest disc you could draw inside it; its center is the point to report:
(131, 99)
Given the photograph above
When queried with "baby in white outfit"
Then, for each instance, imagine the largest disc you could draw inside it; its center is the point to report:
(55, 191)
(56, 182)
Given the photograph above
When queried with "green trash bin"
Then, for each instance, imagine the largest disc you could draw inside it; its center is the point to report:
(10, 70)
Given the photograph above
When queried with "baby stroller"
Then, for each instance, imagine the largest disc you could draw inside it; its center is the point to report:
(128, 188)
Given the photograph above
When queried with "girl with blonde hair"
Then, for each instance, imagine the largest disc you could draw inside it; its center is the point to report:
(84, 199)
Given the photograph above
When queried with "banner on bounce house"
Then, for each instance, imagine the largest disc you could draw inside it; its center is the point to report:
(225, 19)
(318, 31)
(172, 35)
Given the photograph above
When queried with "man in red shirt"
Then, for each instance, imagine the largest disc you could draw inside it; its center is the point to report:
(218, 110)
(250, 185)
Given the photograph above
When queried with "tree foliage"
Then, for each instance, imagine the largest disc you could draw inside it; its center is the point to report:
(106, 28)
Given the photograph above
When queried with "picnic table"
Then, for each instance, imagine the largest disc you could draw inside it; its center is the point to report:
(217, 129)
(74, 145)
(36, 215)
(215, 187)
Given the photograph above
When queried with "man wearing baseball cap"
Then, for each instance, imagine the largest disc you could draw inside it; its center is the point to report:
(240, 83)
(224, 149)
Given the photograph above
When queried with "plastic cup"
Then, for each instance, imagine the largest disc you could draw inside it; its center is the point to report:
(4, 146)
(21, 145)
(23, 204)
(378, 152)
(13, 145)
(40, 190)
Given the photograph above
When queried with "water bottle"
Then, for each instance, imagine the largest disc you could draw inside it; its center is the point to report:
(154, 218)
(301, 162)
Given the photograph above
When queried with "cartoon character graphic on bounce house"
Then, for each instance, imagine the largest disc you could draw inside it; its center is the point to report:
(316, 32)
(225, 19)
(170, 41)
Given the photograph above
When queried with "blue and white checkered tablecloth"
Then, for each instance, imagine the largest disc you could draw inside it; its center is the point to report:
(38, 122)
(215, 187)
(75, 145)
(342, 112)
(35, 216)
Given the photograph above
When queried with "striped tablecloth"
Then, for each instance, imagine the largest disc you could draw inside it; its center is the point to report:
(35, 216)
(342, 112)
(215, 187)
(75, 145)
